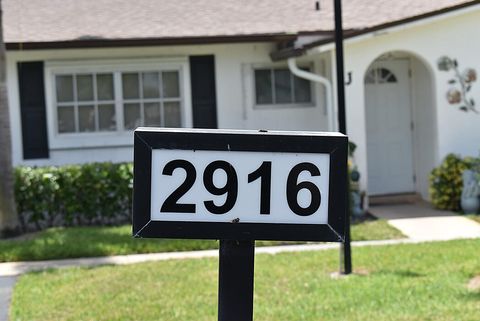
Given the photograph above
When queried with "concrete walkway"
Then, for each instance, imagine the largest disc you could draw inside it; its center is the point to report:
(419, 221)
(17, 268)
(6, 289)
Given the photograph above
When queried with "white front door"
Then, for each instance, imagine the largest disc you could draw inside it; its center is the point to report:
(389, 128)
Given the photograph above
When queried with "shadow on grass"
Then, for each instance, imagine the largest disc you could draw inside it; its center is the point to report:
(66, 243)
(471, 296)
(401, 273)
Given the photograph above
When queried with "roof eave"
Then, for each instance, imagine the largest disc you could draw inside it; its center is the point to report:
(286, 53)
(136, 42)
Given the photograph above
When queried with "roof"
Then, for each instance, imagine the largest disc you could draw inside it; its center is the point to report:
(82, 22)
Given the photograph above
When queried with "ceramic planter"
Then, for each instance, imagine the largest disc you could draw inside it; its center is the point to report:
(470, 201)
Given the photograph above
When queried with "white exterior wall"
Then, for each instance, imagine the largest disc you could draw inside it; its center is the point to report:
(234, 65)
(454, 35)
(440, 129)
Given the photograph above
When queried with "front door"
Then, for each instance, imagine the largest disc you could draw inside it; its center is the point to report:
(389, 128)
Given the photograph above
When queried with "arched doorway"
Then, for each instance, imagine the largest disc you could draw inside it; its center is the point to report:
(394, 108)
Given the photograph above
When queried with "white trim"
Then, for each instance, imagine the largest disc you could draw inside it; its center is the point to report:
(13, 98)
(413, 122)
(118, 94)
(292, 105)
(330, 46)
(312, 77)
(120, 137)
(109, 63)
(333, 70)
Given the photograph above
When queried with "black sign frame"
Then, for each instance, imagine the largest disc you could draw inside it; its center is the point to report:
(148, 139)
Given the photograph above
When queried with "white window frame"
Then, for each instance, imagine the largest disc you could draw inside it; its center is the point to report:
(310, 104)
(76, 103)
(119, 137)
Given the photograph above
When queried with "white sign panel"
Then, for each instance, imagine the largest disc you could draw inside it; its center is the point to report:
(239, 186)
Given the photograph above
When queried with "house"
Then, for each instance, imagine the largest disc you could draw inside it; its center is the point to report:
(83, 74)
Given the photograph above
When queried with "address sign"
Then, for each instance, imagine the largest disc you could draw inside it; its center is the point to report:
(239, 184)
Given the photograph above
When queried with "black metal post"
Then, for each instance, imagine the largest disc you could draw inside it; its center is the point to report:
(345, 250)
(235, 280)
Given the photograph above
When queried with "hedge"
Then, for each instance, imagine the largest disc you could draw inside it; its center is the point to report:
(88, 194)
(446, 181)
(101, 193)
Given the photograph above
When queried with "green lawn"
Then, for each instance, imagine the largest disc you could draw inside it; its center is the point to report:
(374, 230)
(414, 282)
(474, 217)
(59, 243)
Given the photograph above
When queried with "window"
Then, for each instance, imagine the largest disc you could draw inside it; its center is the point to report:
(380, 76)
(85, 103)
(117, 100)
(151, 99)
(278, 86)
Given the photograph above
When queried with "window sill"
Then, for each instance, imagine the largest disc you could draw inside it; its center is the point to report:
(91, 140)
(284, 106)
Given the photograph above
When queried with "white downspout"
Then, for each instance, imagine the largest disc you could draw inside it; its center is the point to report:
(292, 65)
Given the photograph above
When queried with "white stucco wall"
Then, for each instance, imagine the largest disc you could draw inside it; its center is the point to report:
(234, 65)
(440, 128)
(454, 35)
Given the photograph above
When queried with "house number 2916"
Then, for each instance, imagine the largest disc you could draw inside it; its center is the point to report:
(230, 188)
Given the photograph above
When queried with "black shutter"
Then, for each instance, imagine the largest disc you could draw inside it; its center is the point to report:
(32, 110)
(204, 103)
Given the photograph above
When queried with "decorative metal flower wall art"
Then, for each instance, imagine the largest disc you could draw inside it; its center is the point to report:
(460, 84)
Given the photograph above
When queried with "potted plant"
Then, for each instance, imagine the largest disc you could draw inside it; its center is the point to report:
(470, 201)
(356, 196)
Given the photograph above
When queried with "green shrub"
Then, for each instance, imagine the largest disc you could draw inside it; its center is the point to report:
(446, 182)
(89, 194)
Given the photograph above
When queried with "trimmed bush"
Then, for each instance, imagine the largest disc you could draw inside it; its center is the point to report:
(446, 181)
(88, 194)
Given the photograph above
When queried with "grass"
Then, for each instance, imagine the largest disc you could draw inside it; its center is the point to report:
(374, 230)
(474, 217)
(60, 243)
(398, 283)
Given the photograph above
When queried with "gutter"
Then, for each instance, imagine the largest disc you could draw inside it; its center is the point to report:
(292, 65)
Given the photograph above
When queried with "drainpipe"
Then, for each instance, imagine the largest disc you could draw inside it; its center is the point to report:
(292, 65)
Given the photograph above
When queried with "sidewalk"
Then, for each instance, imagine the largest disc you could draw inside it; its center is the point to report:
(419, 221)
(9, 269)
(6, 289)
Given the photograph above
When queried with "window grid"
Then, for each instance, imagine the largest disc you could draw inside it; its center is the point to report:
(161, 100)
(140, 94)
(95, 106)
(292, 86)
(118, 101)
(274, 93)
(380, 75)
(76, 103)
